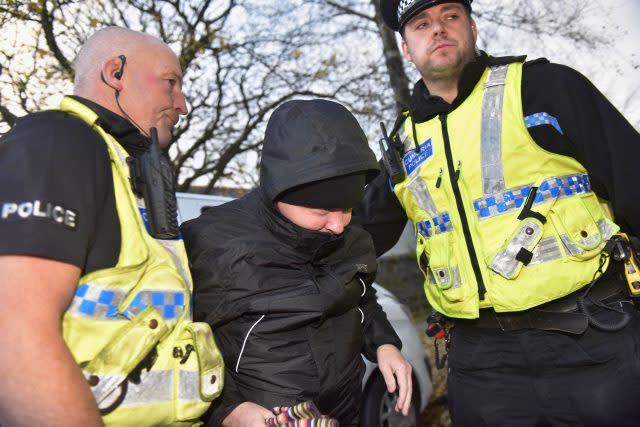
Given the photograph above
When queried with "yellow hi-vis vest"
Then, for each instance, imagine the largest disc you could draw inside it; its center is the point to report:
(129, 327)
(479, 243)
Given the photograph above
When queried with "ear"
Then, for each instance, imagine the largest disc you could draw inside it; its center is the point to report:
(109, 69)
(405, 50)
(474, 30)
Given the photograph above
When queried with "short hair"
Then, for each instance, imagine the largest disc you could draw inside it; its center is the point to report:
(106, 42)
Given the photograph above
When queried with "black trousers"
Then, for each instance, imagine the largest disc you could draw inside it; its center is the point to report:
(539, 378)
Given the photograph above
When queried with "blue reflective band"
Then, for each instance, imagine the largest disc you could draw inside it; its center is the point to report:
(551, 188)
(538, 119)
(413, 160)
(438, 224)
(143, 214)
(95, 301)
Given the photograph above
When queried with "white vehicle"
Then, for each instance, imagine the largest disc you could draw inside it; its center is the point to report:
(377, 405)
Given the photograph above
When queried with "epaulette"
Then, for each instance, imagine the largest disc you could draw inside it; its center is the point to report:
(536, 62)
(504, 60)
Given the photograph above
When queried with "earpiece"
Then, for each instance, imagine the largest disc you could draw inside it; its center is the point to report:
(123, 60)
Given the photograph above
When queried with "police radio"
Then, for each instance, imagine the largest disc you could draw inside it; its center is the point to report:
(152, 179)
(390, 157)
(627, 251)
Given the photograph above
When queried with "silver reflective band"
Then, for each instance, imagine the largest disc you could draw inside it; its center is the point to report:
(154, 387)
(441, 277)
(491, 131)
(106, 386)
(505, 262)
(420, 192)
(571, 248)
(546, 250)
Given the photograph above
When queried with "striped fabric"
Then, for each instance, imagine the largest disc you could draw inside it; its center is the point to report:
(303, 414)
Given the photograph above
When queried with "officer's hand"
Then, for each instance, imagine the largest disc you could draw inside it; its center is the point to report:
(396, 372)
(247, 414)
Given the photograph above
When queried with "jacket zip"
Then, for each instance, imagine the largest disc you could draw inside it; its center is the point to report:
(245, 341)
(463, 216)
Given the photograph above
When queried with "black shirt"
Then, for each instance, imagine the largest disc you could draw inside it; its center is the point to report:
(56, 193)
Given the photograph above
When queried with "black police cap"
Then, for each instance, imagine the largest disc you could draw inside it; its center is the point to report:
(396, 13)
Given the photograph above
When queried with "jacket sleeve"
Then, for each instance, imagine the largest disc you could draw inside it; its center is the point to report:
(376, 327)
(380, 213)
(591, 130)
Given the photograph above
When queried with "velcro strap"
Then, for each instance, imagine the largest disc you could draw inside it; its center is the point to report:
(527, 212)
(524, 256)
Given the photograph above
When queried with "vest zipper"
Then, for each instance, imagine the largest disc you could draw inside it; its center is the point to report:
(463, 216)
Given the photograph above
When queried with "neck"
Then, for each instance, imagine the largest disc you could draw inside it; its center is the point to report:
(445, 89)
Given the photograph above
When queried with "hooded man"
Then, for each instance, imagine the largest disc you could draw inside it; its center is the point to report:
(287, 281)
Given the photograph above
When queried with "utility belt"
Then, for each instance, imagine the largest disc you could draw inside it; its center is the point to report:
(571, 314)
(561, 315)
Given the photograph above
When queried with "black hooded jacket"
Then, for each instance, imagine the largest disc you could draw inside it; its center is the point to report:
(291, 309)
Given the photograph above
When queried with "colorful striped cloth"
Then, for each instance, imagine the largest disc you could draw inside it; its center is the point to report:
(303, 414)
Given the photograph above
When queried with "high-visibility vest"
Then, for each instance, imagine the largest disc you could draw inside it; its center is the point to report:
(469, 175)
(129, 327)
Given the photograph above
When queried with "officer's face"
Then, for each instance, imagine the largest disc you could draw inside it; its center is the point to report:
(152, 90)
(440, 40)
(324, 220)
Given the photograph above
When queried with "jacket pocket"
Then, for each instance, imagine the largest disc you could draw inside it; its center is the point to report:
(436, 258)
(126, 350)
(581, 226)
(517, 251)
(198, 369)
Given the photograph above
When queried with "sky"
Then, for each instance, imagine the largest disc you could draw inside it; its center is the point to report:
(614, 69)
(619, 87)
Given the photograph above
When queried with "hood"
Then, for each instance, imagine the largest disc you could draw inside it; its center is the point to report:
(311, 140)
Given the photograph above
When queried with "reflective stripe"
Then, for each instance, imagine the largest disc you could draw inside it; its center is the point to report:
(364, 287)
(546, 250)
(107, 385)
(606, 231)
(542, 118)
(189, 386)
(245, 341)
(420, 192)
(550, 188)
(505, 262)
(438, 224)
(441, 277)
(154, 387)
(98, 302)
(491, 131)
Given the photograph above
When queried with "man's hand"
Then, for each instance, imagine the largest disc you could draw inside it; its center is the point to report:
(41, 383)
(397, 374)
(247, 414)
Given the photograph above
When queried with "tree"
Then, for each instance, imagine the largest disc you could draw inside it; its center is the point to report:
(244, 57)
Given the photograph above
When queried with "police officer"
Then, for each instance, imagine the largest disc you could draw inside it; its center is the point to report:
(501, 165)
(95, 315)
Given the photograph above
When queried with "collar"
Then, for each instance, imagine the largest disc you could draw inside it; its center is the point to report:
(129, 136)
(423, 106)
(311, 245)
